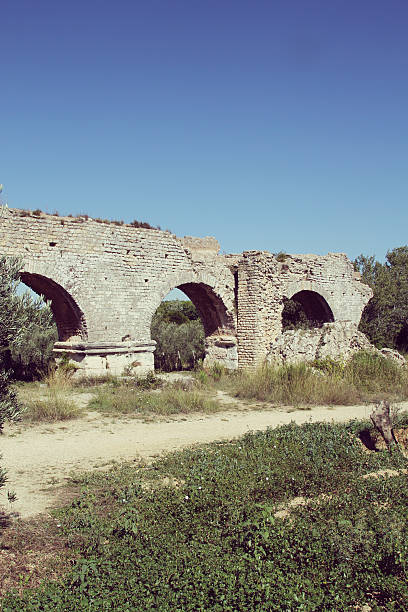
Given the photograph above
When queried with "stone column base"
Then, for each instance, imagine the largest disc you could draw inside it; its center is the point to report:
(101, 358)
(222, 350)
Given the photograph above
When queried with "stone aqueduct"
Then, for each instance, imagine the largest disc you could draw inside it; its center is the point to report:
(105, 282)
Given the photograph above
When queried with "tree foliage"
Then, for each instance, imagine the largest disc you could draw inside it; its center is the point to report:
(27, 328)
(9, 326)
(294, 316)
(27, 335)
(179, 334)
(385, 318)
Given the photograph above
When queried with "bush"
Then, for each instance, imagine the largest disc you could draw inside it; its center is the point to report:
(179, 334)
(11, 321)
(27, 329)
(385, 318)
(294, 317)
(31, 356)
(9, 406)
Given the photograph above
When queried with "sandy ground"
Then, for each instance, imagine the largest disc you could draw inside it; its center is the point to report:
(40, 458)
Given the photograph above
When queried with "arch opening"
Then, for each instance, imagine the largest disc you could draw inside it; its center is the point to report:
(179, 334)
(210, 307)
(193, 327)
(306, 310)
(69, 318)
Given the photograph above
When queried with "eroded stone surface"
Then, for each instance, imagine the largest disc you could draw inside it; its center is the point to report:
(339, 340)
(394, 355)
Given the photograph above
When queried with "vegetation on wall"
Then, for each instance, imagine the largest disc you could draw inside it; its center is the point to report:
(179, 334)
(38, 213)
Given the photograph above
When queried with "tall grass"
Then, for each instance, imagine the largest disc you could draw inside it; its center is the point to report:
(49, 403)
(130, 401)
(365, 377)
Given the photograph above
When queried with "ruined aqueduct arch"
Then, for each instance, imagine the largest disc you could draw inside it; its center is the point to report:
(105, 281)
(316, 302)
(68, 316)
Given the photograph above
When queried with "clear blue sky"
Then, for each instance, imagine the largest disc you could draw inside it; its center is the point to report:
(277, 125)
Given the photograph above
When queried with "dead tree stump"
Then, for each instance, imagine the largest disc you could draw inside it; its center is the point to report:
(382, 421)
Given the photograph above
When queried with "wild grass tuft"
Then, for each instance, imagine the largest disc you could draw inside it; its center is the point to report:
(51, 402)
(55, 407)
(365, 377)
(371, 372)
(130, 401)
(293, 384)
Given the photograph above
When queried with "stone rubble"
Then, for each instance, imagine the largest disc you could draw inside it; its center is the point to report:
(339, 340)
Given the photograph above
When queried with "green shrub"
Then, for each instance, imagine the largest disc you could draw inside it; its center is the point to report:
(31, 356)
(385, 318)
(328, 365)
(27, 329)
(281, 256)
(295, 317)
(179, 334)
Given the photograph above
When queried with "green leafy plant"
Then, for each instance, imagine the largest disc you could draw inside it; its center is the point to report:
(244, 524)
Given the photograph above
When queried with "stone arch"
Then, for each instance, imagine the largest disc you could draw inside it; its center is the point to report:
(315, 306)
(69, 318)
(314, 301)
(216, 311)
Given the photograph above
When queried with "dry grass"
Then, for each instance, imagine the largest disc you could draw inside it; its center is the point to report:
(294, 384)
(365, 378)
(130, 401)
(48, 401)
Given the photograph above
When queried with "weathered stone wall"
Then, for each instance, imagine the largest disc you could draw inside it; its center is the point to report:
(339, 340)
(266, 281)
(106, 281)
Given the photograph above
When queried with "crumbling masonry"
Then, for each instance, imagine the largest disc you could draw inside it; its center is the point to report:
(105, 282)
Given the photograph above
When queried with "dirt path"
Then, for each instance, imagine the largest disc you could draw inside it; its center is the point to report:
(40, 458)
